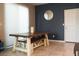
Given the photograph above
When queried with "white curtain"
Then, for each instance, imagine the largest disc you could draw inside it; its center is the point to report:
(16, 21)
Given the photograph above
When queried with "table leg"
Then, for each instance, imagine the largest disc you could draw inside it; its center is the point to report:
(28, 46)
(47, 41)
(32, 48)
(14, 45)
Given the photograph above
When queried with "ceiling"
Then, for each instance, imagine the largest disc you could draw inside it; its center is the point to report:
(38, 4)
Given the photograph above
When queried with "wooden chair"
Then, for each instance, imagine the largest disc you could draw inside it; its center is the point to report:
(76, 49)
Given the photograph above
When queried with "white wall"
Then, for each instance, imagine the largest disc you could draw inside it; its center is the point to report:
(16, 21)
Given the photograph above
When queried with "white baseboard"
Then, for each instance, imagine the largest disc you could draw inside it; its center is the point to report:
(56, 41)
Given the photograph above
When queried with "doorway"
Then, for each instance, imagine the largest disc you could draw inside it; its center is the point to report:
(71, 27)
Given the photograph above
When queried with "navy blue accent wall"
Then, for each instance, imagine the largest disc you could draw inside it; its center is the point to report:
(56, 24)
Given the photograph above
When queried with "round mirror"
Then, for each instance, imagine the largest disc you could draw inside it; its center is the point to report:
(48, 15)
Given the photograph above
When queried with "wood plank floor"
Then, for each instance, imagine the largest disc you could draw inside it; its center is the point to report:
(54, 49)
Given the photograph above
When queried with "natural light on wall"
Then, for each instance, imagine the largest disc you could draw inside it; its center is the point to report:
(23, 19)
(16, 21)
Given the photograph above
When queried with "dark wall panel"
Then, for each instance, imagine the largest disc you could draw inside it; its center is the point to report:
(56, 24)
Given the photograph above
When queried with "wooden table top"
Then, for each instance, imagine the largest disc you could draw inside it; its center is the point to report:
(27, 34)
